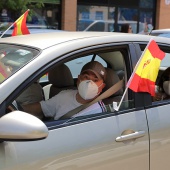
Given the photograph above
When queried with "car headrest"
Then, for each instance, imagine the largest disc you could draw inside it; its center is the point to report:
(61, 76)
(111, 79)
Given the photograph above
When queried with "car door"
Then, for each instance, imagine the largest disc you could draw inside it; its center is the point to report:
(159, 124)
(112, 140)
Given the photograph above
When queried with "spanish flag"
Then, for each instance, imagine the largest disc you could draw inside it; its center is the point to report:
(20, 26)
(145, 73)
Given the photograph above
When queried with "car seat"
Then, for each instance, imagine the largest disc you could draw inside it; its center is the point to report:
(60, 78)
(111, 79)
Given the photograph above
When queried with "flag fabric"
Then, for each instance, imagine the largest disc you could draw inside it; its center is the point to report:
(20, 27)
(145, 73)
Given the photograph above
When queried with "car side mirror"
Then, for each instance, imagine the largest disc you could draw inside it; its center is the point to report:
(21, 126)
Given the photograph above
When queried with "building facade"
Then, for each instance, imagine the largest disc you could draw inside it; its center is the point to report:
(78, 14)
(162, 13)
(100, 15)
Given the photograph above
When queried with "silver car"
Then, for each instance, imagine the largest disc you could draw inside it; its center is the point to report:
(137, 137)
(161, 33)
(33, 30)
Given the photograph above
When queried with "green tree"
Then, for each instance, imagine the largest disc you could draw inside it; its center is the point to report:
(18, 7)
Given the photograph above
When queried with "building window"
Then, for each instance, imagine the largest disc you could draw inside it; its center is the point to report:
(146, 3)
(112, 14)
(99, 15)
(85, 15)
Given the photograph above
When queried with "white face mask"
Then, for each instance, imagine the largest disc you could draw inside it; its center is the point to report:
(88, 89)
(166, 86)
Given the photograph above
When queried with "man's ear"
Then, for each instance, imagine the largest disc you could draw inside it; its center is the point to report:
(79, 76)
(101, 87)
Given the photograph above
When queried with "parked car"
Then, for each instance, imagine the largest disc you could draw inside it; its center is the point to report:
(106, 25)
(32, 30)
(161, 33)
(135, 137)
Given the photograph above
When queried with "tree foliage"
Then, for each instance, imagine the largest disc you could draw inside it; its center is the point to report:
(18, 7)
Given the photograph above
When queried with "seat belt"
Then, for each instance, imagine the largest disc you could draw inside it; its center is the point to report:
(116, 87)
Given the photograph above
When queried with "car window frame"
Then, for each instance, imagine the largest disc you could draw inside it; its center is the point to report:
(74, 54)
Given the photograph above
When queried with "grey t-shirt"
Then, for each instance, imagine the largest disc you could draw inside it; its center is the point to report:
(63, 102)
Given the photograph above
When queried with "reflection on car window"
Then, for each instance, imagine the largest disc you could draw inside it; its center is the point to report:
(12, 58)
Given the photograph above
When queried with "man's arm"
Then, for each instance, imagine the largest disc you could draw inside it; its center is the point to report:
(34, 109)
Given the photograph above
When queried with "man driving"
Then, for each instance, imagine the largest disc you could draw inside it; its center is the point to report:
(90, 84)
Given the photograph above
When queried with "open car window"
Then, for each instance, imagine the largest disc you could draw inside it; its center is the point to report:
(63, 76)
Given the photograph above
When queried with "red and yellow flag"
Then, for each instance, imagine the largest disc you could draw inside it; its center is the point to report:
(146, 71)
(20, 26)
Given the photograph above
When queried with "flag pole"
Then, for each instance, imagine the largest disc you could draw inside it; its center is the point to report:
(7, 29)
(115, 107)
(13, 23)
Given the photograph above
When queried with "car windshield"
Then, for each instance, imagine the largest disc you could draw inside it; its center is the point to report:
(12, 58)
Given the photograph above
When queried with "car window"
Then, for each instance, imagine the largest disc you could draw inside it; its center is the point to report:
(162, 67)
(165, 63)
(12, 58)
(116, 70)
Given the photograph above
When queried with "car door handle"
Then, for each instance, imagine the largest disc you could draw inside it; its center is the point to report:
(130, 136)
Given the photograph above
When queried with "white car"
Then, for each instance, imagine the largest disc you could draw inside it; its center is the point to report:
(161, 33)
(107, 25)
(33, 30)
(134, 138)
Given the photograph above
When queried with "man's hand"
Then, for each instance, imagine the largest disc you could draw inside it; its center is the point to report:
(34, 109)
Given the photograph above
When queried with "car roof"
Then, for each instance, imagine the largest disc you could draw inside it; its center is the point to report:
(161, 31)
(45, 40)
(112, 21)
